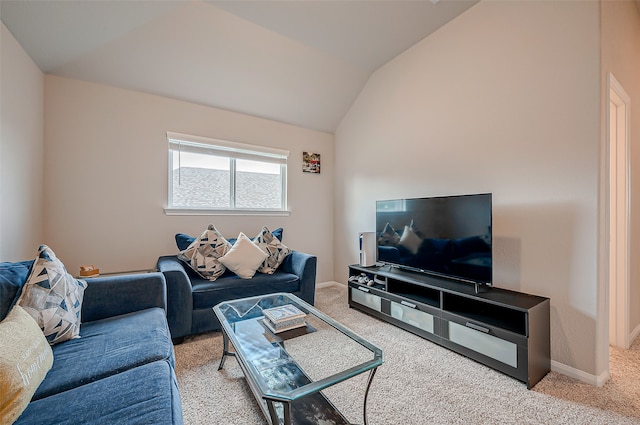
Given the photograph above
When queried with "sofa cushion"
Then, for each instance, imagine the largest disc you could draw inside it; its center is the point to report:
(53, 297)
(207, 294)
(107, 347)
(244, 257)
(275, 249)
(25, 359)
(144, 395)
(203, 253)
(12, 278)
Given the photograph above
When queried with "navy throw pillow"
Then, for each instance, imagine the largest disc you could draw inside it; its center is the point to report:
(12, 279)
(183, 241)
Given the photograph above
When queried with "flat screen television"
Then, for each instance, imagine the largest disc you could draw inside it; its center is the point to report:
(448, 236)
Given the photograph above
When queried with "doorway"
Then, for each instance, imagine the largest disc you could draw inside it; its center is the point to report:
(618, 136)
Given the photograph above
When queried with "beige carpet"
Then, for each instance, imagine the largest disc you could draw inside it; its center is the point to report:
(419, 383)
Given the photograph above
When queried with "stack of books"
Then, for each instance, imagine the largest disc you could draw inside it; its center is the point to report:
(280, 319)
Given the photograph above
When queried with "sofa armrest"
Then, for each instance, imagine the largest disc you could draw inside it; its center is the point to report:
(115, 295)
(179, 295)
(304, 266)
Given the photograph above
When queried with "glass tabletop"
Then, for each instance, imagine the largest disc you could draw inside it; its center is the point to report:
(297, 362)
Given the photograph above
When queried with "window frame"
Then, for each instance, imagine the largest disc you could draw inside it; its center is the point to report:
(233, 151)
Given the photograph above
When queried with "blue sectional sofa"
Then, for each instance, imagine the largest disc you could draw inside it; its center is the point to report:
(121, 369)
(191, 298)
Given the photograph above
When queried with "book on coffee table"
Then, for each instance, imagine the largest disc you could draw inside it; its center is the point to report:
(283, 318)
(277, 330)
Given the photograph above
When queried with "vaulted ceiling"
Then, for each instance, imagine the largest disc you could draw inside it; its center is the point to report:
(300, 62)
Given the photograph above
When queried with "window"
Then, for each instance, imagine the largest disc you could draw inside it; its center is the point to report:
(217, 176)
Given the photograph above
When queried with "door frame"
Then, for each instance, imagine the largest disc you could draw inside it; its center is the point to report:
(619, 212)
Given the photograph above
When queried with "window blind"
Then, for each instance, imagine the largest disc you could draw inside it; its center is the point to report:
(202, 145)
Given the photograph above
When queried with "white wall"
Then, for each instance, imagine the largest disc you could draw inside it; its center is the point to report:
(21, 151)
(620, 23)
(504, 99)
(106, 177)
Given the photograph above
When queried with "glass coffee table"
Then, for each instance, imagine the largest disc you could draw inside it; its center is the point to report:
(287, 371)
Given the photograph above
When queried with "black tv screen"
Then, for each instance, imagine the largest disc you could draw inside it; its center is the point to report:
(448, 236)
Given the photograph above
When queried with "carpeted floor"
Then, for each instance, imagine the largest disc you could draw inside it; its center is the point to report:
(419, 383)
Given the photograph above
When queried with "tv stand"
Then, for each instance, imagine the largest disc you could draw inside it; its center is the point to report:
(505, 330)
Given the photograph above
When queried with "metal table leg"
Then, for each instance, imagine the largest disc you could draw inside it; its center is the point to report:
(287, 413)
(225, 350)
(272, 413)
(366, 393)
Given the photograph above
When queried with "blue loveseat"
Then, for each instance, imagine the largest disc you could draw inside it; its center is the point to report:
(190, 298)
(121, 369)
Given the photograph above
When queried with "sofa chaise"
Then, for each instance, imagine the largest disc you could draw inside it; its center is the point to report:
(121, 369)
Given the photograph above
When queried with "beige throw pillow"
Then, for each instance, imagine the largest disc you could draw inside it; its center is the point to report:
(25, 359)
(244, 257)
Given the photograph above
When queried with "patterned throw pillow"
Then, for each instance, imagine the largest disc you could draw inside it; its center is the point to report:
(276, 250)
(53, 297)
(25, 359)
(203, 254)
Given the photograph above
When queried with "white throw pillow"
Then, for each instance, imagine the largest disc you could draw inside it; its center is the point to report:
(244, 257)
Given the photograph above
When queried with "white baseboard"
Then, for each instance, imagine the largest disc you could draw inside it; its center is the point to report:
(328, 283)
(580, 375)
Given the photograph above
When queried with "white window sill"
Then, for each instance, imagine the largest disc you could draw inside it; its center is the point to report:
(203, 211)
